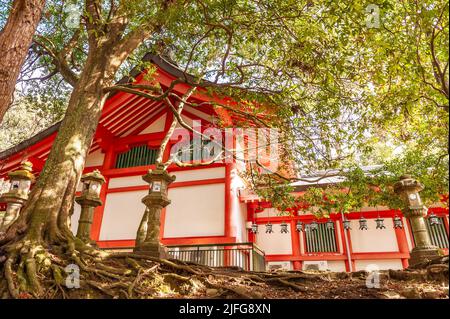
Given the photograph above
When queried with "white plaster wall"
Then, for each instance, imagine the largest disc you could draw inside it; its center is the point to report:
(195, 211)
(373, 240)
(336, 265)
(199, 174)
(302, 242)
(181, 176)
(238, 209)
(285, 265)
(382, 264)
(241, 230)
(122, 215)
(157, 126)
(409, 240)
(275, 243)
(126, 181)
(75, 217)
(269, 212)
(95, 159)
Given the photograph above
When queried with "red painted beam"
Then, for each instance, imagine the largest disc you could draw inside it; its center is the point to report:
(173, 185)
(296, 251)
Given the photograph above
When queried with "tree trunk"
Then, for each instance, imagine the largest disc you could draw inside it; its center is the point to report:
(15, 39)
(45, 216)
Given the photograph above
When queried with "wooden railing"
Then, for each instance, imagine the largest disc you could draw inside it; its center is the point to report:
(244, 255)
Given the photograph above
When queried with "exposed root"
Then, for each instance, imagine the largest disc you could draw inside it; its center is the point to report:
(13, 291)
(32, 271)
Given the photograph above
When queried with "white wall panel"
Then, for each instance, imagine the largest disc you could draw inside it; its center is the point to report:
(382, 264)
(199, 174)
(182, 176)
(126, 181)
(336, 265)
(122, 215)
(373, 240)
(195, 211)
(238, 209)
(409, 240)
(274, 243)
(75, 217)
(269, 212)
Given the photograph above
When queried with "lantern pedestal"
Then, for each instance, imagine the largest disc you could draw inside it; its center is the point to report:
(147, 239)
(423, 250)
(408, 189)
(88, 200)
(88, 205)
(14, 205)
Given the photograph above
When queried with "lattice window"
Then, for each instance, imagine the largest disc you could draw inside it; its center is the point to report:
(438, 233)
(137, 156)
(189, 152)
(322, 240)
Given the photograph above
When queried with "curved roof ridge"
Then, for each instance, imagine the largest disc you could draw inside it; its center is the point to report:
(148, 57)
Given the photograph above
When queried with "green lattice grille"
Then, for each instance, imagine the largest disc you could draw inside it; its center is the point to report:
(321, 240)
(438, 233)
(204, 151)
(137, 156)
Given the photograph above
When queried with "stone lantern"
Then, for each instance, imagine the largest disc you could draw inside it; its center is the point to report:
(88, 200)
(17, 195)
(147, 240)
(408, 189)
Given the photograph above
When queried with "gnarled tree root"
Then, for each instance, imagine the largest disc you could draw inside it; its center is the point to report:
(31, 271)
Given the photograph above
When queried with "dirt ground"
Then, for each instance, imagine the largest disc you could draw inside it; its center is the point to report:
(417, 284)
(137, 276)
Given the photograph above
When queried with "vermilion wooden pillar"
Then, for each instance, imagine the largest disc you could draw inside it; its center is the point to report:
(108, 162)
(402, 244)
(227, 221)
(296, 251)
(345, 249)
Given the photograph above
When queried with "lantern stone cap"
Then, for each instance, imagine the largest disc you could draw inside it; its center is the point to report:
(24, 172)
(158, 173)
(93, 176)
(406, 182)
(88, 200)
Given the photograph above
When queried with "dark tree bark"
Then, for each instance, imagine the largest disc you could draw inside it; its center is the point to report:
(15, 39)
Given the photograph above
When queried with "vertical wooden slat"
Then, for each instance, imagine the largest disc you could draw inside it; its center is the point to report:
(323, 234)
(331, 237)
(119, 161)
(142, 155)
(326, 241)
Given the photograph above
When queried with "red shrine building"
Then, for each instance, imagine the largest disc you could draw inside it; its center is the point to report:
(213, 219)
